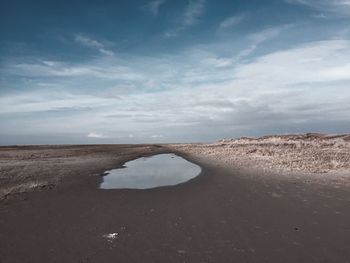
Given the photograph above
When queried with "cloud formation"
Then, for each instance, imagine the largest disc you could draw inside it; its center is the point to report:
(262, 36)
(193, 11)
(231, 21)
(255, 40)
(190, 17)
(154, 6)
(226, 76)
(96, 135)
(276, 92)
(341, 7)
(92, 43)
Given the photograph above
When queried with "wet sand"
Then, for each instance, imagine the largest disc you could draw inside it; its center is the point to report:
(52, 211)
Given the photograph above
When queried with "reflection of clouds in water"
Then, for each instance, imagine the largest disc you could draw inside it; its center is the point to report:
(150, 172)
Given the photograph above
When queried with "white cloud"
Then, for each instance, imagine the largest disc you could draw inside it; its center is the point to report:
(254, 41)
(61, 69)
(92, 43)
(268, 33)
(96, 135)
(193, 11)
(154, 6)
(262, 36)
(51, 101)
(341, 7)
(218, 62)
(231, 22)
(312, 63)
(157, 136)
(193, 93)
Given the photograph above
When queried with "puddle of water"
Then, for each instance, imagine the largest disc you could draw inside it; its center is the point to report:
(150, 172)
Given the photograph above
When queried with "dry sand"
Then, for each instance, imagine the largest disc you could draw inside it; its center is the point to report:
(283, 209)
(26, 168)
(314, 158)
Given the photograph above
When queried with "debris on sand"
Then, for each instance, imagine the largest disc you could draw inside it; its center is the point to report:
(111, 236)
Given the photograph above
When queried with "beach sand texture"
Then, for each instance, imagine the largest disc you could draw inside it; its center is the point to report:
(272, 199)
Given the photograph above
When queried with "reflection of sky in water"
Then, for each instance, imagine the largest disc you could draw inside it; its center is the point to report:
(150, 172)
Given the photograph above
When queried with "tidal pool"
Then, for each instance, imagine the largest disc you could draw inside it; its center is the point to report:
(150, 172)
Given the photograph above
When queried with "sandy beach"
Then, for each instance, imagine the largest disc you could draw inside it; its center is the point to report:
(158, 131)
(247, 205)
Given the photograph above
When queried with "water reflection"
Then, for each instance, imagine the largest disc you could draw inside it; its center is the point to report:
(150, 172)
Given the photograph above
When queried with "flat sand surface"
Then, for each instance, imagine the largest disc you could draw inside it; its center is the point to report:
(51, 210)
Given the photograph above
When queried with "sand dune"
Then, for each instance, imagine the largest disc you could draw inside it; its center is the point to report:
(308, 156)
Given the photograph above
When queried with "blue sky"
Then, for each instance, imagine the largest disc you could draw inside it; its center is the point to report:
(172, 71)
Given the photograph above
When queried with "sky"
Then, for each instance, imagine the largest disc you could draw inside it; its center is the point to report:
(75, 72)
